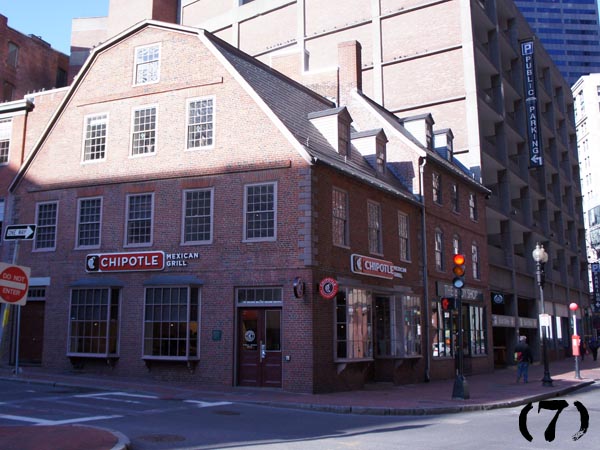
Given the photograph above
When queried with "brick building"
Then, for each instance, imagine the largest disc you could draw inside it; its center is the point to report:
(28, 64)
(221, 223)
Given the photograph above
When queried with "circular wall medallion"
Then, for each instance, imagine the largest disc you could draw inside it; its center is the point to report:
(328, 288)
(298, 287)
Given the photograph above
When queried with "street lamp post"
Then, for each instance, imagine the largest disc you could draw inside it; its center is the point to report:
(541, 258)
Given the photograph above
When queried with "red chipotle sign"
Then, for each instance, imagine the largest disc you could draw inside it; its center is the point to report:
(373, 267)
(125, 262)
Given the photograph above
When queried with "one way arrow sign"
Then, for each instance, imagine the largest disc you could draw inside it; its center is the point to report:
(19, 232)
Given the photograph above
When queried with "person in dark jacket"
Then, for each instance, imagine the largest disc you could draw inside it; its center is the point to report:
(593, 346)
(524, 358)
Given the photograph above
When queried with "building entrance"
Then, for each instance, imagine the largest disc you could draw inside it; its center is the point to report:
(259, 347)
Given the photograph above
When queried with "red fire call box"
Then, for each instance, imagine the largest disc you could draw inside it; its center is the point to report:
(575, 344)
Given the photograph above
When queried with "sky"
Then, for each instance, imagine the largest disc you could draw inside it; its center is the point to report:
(51, 20)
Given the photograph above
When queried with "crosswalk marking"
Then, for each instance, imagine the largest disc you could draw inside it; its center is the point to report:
(45, 422)
(201, 404)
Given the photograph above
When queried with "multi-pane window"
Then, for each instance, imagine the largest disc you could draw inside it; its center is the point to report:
(200, 123)
(94, 145)
(454, 198)
(374, 223)
(89, 220)
(353, 339)
(403, 237)
(261, 295)
(171, 322)
(439, 249)
(436, 180)
(139, 219)
(5, 132)
(475, 261)
(94, 322)
(143, 139)
(397, 326)
(260, 211)
(46, 221)
(456, 244)
(340, 217)
(476, 327)
(444, 338)
(197, 215)
(13, 54)
(147, 64)
(473, 206)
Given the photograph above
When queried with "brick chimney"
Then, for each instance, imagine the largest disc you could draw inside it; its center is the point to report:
(350, 69)
(123, 14)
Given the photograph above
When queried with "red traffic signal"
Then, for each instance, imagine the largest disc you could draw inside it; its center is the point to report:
(448, 303)
(458, 270)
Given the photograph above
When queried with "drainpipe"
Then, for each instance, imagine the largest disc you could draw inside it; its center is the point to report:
(426, 326)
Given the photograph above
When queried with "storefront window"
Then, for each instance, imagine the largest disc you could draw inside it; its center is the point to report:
(353, 325)
(444, 326)
(94, 322)
(171, 322)
(442, 330)
(397, 326)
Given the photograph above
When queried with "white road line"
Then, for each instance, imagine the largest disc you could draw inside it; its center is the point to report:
(120, 394)
(206, 404)
(81, 419)
(26, 419)
(45, 422)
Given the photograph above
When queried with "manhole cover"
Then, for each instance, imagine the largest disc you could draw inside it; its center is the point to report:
(162, 438)
(224, 412)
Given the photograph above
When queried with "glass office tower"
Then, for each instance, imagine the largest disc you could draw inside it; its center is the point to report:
(569, 31)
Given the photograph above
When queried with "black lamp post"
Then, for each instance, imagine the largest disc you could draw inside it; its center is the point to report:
(541, 258)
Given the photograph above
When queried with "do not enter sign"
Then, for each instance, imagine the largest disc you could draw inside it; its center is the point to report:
(14, 283)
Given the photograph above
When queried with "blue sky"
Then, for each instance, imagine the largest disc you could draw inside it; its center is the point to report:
(51, 20)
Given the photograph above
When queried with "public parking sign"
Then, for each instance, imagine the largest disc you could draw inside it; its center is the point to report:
(14, 283)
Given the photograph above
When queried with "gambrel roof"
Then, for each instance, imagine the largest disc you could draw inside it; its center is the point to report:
(286, 102)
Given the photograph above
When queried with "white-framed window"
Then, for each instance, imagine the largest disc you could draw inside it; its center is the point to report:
(397, 326)
(339, 219)
(436, 181)
(139, 223)
(171, 322)
(200, 123)
(475, 261)
(353, 323)
(260, 212)
(473, 214)
(143, 135)
(147, 64)
(476, 328)
(89, 222)
(94, 322)
(456, 244)
(439, 249)
(403, 236)
(374, 227)
(5, 134)
(197, 216)
(94, 141)
(454, 197)
(46, 219)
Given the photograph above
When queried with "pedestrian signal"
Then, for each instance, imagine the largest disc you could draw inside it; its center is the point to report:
(448, 303)
(459, 271)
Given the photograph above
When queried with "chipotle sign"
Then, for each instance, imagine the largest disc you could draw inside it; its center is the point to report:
(125, 262)
(365, 265)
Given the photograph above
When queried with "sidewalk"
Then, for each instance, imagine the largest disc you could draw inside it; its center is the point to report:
(486, 391)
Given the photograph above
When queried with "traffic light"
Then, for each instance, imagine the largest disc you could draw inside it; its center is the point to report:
(448, 303)
(459, 271)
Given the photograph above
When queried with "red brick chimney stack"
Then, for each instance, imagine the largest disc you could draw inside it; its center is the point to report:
(350, 69)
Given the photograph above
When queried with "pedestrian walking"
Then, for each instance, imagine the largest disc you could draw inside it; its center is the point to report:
(593, 346)
(582, 349)
(524, 358)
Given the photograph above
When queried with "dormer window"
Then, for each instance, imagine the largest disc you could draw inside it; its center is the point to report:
(344, 137)
(334, 125)
(147, 64)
